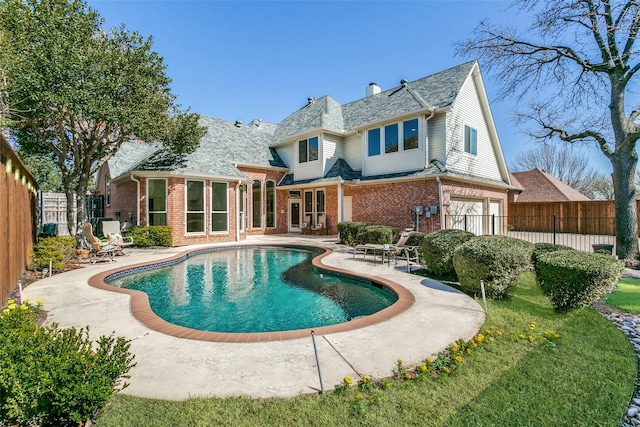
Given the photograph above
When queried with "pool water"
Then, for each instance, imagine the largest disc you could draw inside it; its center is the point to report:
(255, 289)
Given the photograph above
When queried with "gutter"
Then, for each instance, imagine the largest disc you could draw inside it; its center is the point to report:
(137, 181)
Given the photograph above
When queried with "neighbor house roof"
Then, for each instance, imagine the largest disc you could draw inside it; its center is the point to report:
(539, 186)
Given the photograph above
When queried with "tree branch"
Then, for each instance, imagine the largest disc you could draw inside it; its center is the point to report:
(567, 137)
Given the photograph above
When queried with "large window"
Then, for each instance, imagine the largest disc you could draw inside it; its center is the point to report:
(271, 204)
(195, 206)
(242, 214)
(470, 140)
(308, 150)
(257, 204)
(373, 142)
(391, 141)
(392, 135)
(410, 134)
(107, 190)
(219, 207)
(308, 206)
(157, 201)
(320, 209)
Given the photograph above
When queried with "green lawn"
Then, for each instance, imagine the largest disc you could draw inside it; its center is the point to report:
(626, 296)
(586, 380)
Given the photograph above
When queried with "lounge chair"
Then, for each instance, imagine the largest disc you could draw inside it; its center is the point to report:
(400, 249)
(112, 231)
(98, 249)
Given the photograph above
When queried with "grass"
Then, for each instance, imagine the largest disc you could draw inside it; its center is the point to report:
(586, 380)
(626, 296)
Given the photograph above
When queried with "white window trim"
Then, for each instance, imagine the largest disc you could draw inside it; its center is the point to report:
(166, 198)
(464, 142)
(262, 218)
(211, 207)
(315, 205)
(275, 204)
(297, 146)
(203, 212)
(401, 149)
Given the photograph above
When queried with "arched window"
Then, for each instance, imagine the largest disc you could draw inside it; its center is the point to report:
(271, 204)
(257, 203)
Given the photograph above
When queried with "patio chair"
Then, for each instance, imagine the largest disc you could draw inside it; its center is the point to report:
(306, 225)
(112, 231)
(400, 249)
(98, 249)
(319, 225)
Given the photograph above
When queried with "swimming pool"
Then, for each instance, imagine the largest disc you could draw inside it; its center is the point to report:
(254, 289)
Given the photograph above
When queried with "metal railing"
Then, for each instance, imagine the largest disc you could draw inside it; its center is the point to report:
(578, 233)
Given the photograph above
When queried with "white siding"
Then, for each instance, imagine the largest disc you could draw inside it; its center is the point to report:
(467, 110)
(309, 170)
(352, 151)
(401, 161)
(331, 151)
(438, 138)
(286, 154)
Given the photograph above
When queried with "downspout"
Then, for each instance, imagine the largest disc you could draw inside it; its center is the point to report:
(238, 211)
(137, 181)
(440, 202)
(426, 148)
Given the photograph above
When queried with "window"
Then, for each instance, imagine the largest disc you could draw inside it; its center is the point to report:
(308, 150)
(242, 215)
(257, 204)
(219, 207)
(157, 202)
(107, 190)
(410, 134)
(320, 207)
(391, 141)
(271, 204)
(470, 140)
(308, 205)
(195, 206)
(373, 140)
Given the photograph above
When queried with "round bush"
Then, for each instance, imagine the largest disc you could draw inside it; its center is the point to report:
(577, 279)
(496, 260)
(438, 248)
(378, 234)
(543, 248)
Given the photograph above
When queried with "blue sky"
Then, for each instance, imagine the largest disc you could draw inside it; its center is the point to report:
(244, 60)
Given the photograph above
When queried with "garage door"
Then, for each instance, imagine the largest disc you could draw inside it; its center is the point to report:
(467, 214)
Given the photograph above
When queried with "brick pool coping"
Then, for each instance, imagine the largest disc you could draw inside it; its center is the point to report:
(141, 309)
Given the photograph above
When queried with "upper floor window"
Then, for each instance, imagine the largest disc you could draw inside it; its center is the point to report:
(470, 140)
(308, 150)
(373, 139)
(410, 134)
(392, 135)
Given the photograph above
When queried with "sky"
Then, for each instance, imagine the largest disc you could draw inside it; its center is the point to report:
(240, 60)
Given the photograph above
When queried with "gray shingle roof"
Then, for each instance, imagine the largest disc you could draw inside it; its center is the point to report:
(437, 90)
(129, 155)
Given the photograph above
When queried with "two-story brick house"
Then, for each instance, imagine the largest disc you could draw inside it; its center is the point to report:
(430, 143)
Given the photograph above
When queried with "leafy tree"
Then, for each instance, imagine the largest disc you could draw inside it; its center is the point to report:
(78, 91)
(572, 70)
(563, 162)
(43, 169)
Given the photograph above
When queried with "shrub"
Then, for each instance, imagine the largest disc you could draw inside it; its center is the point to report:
(496, 260)
(543, 248)
(352, 233)
(51, 376)
(343, 231)
(55, 249)
(378, 234)
(577, 279)
(154, 235)
(438, 248)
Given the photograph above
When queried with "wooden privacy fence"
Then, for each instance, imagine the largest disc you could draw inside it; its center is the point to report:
(18, 219)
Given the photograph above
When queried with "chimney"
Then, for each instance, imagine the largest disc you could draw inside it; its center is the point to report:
(373, 89)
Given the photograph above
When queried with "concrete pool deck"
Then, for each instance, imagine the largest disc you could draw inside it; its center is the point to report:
(177, 368)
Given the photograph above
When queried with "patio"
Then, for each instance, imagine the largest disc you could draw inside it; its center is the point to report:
(177, 368)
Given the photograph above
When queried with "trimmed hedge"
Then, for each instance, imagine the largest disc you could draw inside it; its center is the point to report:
(352, 233)
(154, 235)
(55, 249)
(496, 260)
(378, 234)
(543, 248)
(438, 248)
(577, 279)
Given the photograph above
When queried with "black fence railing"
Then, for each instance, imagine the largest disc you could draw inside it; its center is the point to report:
(578, 233)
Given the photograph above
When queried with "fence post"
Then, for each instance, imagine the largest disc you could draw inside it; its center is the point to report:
(465, 222)
(493, 224)
(554, 229)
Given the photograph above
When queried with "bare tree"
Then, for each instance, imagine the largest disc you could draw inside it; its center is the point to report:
(566, 163)
(571, 70)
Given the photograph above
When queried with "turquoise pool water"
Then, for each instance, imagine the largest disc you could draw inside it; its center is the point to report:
(254, 289)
